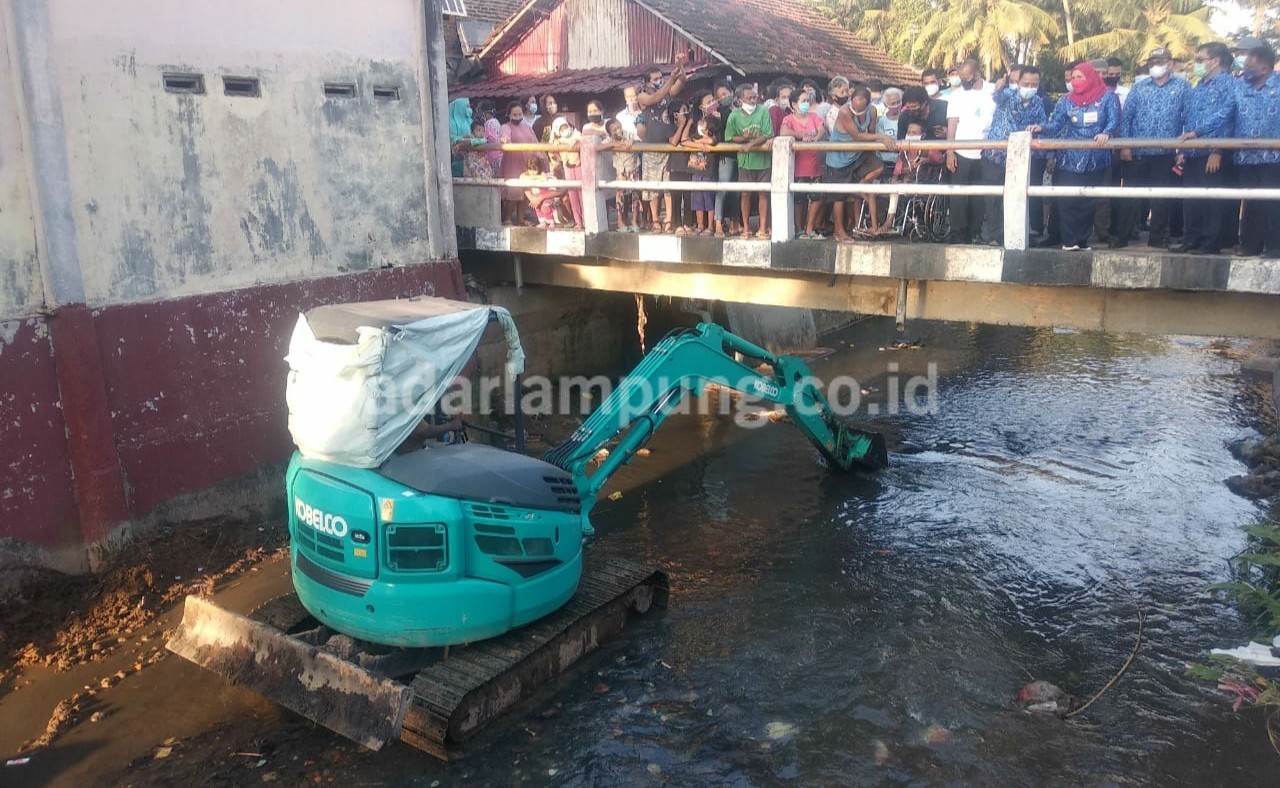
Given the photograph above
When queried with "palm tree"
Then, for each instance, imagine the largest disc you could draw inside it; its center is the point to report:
(983, 29)
(1135, 28)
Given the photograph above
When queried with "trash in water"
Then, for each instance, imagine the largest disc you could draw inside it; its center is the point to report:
(17, 762)
(881, 752)
(1255, 653)
(616, 495)
(163, 752)
(936, 734)
(1041, 696)
(779, 731)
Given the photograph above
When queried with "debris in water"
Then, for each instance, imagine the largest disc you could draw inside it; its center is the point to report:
(780, 731)
(1255, 653)
(654, 769)
(936, 734)
(1045, 698)
(163, 752)
(602, 688)
(616, 495)
(96, 716)
(642, 452)
(641, 319)
(603, 454)
(881, 752)
(17, 762)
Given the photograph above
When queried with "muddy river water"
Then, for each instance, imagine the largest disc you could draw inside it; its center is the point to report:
(828, 630)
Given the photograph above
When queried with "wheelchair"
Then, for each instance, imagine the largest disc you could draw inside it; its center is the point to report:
(920, 217)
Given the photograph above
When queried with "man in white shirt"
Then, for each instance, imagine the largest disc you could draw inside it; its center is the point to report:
(969, 112)
(627, 116)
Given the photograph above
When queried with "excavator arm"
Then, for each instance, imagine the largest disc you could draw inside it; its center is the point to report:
(682, 365)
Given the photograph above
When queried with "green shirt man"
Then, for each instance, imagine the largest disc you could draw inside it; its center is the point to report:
(751, 123)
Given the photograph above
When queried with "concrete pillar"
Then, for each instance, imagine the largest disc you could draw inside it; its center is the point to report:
(99, 483)
(780, 202)
(595, 213)
(1017, 177)
(442, 235)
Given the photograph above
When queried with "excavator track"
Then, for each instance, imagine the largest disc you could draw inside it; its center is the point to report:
(455, 691)
(456, 697)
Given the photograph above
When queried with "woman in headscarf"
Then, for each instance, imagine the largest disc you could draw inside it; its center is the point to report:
(514, 163)
(1088, 112)
(459, 130)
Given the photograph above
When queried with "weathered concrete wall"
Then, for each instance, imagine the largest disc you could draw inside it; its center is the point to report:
(177, 194)
(20, 289)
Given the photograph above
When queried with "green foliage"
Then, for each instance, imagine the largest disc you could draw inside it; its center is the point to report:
(1048, 32)
(1256, 586)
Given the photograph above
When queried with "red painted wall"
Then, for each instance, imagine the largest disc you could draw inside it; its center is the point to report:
(195, 388)
(37, 499)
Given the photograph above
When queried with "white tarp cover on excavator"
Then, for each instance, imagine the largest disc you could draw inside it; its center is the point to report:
(362, 376)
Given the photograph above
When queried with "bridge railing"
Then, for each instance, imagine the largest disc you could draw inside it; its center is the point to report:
(1016, 189)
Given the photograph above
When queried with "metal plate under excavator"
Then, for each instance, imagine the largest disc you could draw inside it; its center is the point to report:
(341, 696)
(448, 701)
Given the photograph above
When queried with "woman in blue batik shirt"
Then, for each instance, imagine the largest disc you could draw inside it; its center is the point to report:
(1088, 112)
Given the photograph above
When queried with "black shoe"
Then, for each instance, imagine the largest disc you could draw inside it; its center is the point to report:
(1116, 243)
(1182, 249)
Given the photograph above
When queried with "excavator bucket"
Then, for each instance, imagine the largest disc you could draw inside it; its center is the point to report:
(339, 695)
(858, 449)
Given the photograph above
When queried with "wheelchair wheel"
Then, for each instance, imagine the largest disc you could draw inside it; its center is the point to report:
(914, 226)
(937, 218)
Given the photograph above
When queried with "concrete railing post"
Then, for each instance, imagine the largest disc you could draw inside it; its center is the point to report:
(1017, 177)
(595, 213)
(781, 206)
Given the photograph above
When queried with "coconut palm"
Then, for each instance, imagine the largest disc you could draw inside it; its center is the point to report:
(988, 30)
(1135, 28)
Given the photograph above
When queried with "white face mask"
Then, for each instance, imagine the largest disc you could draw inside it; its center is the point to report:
(566, 132)
(931, 89)
(784, 103)
(748, 108)
(955, 81)
(1158, 72)
(914, 137)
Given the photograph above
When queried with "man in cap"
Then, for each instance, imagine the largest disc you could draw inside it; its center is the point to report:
(1241, 51)
(1156, 109)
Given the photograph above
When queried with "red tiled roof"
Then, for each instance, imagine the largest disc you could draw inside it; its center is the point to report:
(782, 36)
(756, 36)
(585, 80)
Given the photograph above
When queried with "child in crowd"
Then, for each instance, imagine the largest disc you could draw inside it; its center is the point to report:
(476, 163)
(907, 170)
(541, 200)
(703, 166)
(626, 163)
(564, 134)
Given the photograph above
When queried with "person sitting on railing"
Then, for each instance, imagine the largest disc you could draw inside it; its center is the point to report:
(564, 134)
(751, 128)
(1018, 106)
(1155, 110)
(1258, 117)
(1088, 112)
(541, 199)
(515, 163)
(1211, 114)
(626, 164)
(805, 125)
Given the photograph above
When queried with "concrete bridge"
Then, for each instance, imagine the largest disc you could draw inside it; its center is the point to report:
(1133, 289)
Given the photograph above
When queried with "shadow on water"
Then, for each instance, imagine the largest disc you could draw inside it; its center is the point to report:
(874, 629)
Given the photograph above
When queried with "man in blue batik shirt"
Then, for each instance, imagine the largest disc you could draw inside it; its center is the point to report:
(1211, 114)
(1258, 117)
(1018, 105)
(1156, 109)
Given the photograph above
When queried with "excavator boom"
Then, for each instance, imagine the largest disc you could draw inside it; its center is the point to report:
(685, 363)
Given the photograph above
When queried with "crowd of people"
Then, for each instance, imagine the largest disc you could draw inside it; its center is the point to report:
(1234, 93)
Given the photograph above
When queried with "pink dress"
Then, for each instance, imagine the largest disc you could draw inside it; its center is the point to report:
(514, 163)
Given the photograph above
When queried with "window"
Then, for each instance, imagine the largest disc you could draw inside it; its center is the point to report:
(183, 83)
(472, 33)
(453, 8)
(241, 86)
(386, 92)
(339, 90)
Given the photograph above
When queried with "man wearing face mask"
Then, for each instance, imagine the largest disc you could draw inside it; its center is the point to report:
(1112, 76)
(954, 82)
(1018, 106)
(931, 112)
(1259, 118)
(750, 127)
(657, 92)
(969, 114)
(1156, 109)
(931, 81)
(1211, 114)
(1241, 51)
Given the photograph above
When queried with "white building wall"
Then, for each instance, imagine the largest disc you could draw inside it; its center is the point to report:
(176, 194)
(21, 292)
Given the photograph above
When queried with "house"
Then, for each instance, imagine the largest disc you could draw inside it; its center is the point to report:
(580, 49)
(467, 27)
